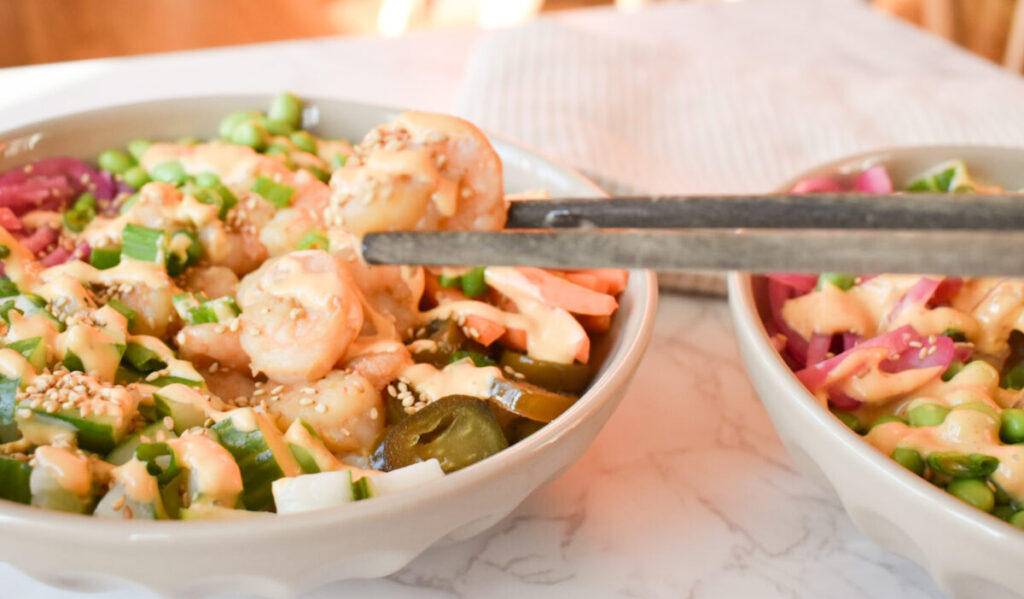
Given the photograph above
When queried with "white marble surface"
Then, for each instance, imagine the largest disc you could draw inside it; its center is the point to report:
(687, 492)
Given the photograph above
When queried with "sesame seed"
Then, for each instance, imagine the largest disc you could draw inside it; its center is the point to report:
(305, 401)
(277, 389)
(168, 422)
(321, 408)
(914, 344)
(374, 413)
(309, 390)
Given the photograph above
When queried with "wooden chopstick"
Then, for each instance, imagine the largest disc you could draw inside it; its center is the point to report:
(1003, 212)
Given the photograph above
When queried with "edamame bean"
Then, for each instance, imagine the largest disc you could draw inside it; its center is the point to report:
(884, 418)
(910, 459)
(850, 420)
(927, 414)
(1003, 512)
(841, 280)
(228, 124)
(958, 465)
(1017, 519)
(1014, 379)
(207, 179)
(973, 491)
(287, 108)
(1011, 426)
(250, 133)
(115, 161)
(136, 176)
(276, 127)
(138, 147)
(304, 141)
(169, 172)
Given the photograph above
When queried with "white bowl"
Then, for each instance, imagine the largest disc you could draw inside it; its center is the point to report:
(284, 555)
(969, 553)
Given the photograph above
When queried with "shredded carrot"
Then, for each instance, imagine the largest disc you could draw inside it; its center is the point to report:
(558, 292)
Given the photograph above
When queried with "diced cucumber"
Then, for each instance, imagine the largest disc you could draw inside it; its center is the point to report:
(33, 349)
(14, 480)
(261, 453)
(403, 479)
(142, 358)
(8, 392)
(57, 467)
(95, 432)
(29, 305)
(125, 450)
(186, 406)
(313, 491)
(212, 477)
(361, 488)
(44, 429)
(309, 451)
(135, 495)
(124, 310)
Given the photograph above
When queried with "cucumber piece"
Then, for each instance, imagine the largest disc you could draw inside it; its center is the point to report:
(142, 358)
(56, 467)
(125, 450)
(948, 176)
(33, 349)
(44, 429)
(313, 491)
(8, 392)
(187, 407)
(14, 480)
(95, 432)
(260, 452)
(124, 310)
(29, 305)
(361, 488)
(403, 479)
(135, 495)
(211, 476)
(309, 451)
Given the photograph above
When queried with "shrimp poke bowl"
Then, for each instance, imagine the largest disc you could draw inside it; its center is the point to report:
(189, 333)
(903, 393)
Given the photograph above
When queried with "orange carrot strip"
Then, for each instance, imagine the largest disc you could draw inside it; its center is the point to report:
(487, 330)
(561, 293)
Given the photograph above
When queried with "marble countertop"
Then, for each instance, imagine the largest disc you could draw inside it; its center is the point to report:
(687, 491)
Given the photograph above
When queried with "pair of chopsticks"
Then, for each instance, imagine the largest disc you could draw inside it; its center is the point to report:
(956, 234)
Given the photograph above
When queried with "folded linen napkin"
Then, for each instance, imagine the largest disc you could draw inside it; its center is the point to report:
(731, 97)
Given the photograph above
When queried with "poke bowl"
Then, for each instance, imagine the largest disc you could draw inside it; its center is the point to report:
(123, 420)
(890, 465)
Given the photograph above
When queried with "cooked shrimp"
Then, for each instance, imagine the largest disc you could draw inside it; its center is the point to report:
(213, 281)
(382, 367)
(149, 295)
(343, 407)
(229, 384)
(204, 344)
(300, 312)
(421, 171)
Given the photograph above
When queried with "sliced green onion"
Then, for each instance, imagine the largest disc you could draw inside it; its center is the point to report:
(278, 194)
(143, 243)
(8, 288)
(184, 303)
(319, 173)
(479, 360)
(5, 309)
(473, 283)
(125, 310)
(361, 488)
(183, 251)
(104, 258)
(313, 240)
(81, 214)
(449, 282)
(215, 310)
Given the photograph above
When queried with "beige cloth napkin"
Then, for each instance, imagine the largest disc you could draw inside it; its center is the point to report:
(719, 98)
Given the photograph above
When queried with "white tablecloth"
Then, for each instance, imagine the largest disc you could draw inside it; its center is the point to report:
(687, 491)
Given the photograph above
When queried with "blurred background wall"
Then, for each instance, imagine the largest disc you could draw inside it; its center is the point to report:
(39, 31)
